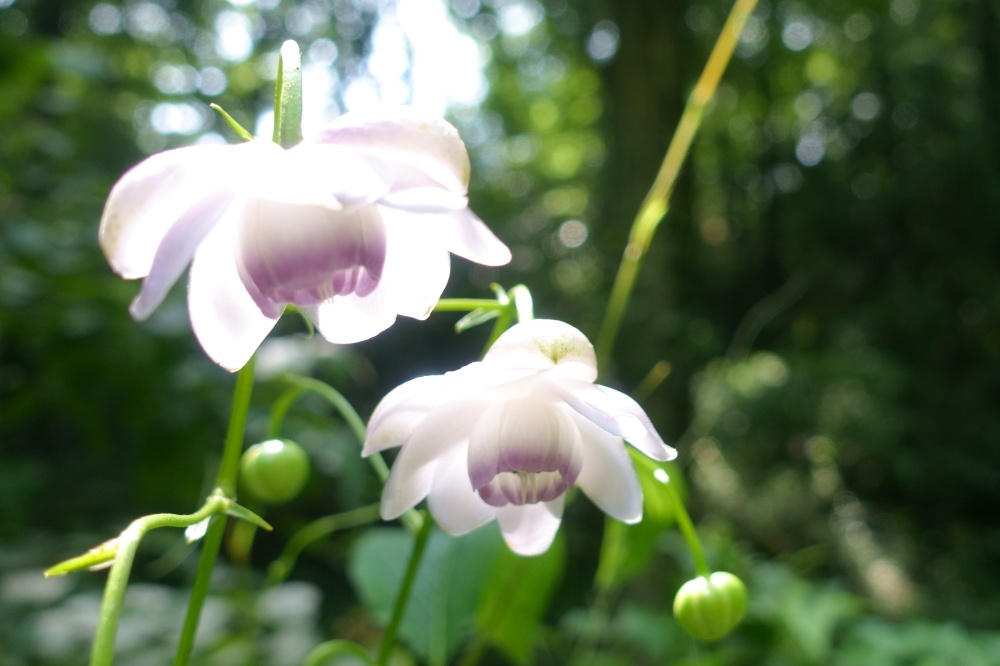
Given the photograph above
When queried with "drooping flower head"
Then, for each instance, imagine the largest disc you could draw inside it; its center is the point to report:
(507, 437)
(353, 226)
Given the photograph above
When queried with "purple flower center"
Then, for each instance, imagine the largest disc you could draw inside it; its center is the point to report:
(305, 254)
(523, 451)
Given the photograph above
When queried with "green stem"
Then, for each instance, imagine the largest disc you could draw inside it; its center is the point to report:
(225, 484)
(314, 531)
(419, 545)
(332, 396)
(343, 406)
(232, 449)
(687, 529)
(652, 380)
(280, 410)
(102, 652)
(655, 205)
(467, 304)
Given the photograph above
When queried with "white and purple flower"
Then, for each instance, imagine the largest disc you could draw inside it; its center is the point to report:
(507, 437)
(353, 226)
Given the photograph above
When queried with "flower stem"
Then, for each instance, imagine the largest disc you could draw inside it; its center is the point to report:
(225, 484)
(467, 304)
(343, 406)
(312, 532)
(687, 529)
(102, 652)
(655, 205)
(419, 545)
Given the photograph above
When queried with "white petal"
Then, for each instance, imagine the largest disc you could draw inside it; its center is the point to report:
(226, 321)
(416, 265)
(328, 175)
(616, 413)
(150, 197)
(455, 506)
(441, 434)
(467, 236)
(425, 200)
(546, 344)
(401, 410)
(607, 476)
(352, 318)
(419, 148)
(531, 528)
(176, 249)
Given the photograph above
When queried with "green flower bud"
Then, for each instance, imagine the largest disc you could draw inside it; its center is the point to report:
(274, 471)
(709, 607)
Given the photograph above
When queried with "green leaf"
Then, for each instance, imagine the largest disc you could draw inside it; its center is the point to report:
(445, 594)
(516, 597)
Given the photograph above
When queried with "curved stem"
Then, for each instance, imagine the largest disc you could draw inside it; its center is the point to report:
(336, 400)
(312, 532)
(419, 545)
(687, 529)
(102, 652)
(343, 406)
(280, 410)
(655, 205)
(225, 484)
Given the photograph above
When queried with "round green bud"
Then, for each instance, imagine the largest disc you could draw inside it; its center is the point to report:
(709, 607)
(274, 471)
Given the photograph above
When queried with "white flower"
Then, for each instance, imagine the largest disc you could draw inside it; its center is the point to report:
(505, 438)
(354, 226)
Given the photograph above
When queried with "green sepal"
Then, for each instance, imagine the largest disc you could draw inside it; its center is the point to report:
(236, 511)
(500, 293)
(97, 558)
(524, 304)
(310, 327)
(235, 126)
(475, 318)
(288, 96)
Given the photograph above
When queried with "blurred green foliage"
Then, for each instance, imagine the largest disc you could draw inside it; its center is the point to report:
(825, 287)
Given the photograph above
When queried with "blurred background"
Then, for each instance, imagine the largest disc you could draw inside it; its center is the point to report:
(825, 289)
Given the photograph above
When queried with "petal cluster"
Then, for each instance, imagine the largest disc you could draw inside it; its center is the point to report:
(354, 226)
(507, 437)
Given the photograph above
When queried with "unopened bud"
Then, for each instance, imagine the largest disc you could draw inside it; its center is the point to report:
(709, 607)
(274, 471)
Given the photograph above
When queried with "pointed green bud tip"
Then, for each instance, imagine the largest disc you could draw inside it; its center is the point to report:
(275, 471)
(709, 607)
(95, 559)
